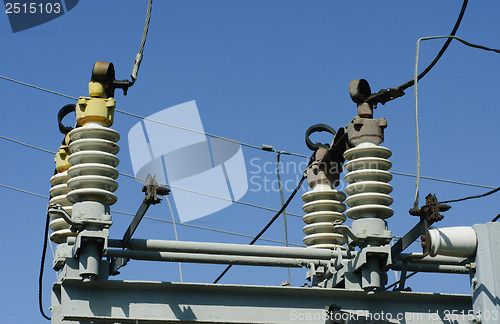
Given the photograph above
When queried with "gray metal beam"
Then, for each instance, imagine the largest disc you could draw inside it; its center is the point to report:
(212, 258)
(485, 274)
(227, 249)
(165, 302)
(438, 259)
(425, 267)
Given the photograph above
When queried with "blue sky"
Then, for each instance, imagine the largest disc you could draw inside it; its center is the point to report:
(261, 72)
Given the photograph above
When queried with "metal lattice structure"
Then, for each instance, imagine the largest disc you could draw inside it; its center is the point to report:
(347, 265)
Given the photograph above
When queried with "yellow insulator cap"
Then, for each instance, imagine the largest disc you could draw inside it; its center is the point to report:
(96, 90)
(95, 110)
(61, 159)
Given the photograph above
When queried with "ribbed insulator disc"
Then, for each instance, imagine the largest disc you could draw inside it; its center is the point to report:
(94, 144)
(93, 169)
(92, 181)
(91, 194)
(323, 209)
(368, 186)
(58, 193)
(94, 131)
(58, 190)
(84, 157)
(367, 177)
(93, 163)
(59, 178)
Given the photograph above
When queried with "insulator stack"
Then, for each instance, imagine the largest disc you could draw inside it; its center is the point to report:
(368, 179)
(58, 191)
(92, 174)
(58, 196)
(324, 209)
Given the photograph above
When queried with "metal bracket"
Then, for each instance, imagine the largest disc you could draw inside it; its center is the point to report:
(358, 240)
(104, 72)
(327, 159)
(151, 190)
(75, 224)
(429, 214)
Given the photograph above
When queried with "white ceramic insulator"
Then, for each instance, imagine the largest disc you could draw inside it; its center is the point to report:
(93, 161)
(58, 193)
(368, 178)
(460, 241)
(324, 209)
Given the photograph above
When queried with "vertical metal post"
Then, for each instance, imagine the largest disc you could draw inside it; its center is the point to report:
(485, 274)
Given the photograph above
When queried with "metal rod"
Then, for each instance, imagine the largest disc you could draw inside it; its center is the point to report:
(229, 249)
(135, 222)
(214, 259)
(441, 268)
(444, 260)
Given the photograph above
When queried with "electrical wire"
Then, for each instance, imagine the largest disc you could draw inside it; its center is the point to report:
(209, 229)
(212, 196)
(496, 218)
(471, 197)
(441, 52)
(38, 88)
(267, 225)
(153, 120)
(162, 220)
(199, 132)
(248, 204)
(386, 95)
(27, 145)
(175, 187)
(416, 78)
(24, 191)
(175, 231)
(442, 180)
(42, 265)
(138, 58)
(407, 277)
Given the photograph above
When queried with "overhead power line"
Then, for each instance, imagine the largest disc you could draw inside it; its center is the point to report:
(271, 221)
(212, 196)
(160, 220)
(152, 120)
(443, 180)
(208, 229)
(471, 197)
(393, 172)
(386, 95)
(138, 58)
(199, 132)
(416, 78)
(38, 88)
(171, 186)
(441, 51)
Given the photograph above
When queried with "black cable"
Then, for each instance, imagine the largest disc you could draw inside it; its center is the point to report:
(268, 224)
(386, 95)
(42, 264)
(471, 197)
(395, 283)
(441, 52)
(496, 218)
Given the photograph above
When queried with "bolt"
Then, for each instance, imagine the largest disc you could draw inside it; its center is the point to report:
(471, 265)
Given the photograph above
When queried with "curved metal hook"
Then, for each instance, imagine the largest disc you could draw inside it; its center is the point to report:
(63, 112)
(314, 129)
